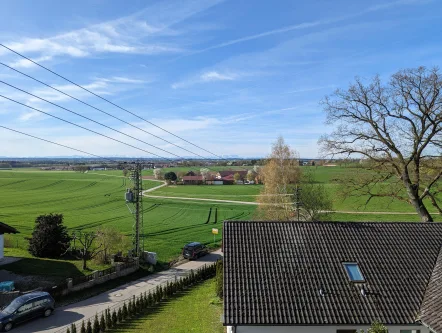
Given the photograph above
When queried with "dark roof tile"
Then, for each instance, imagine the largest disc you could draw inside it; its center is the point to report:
(274, 272)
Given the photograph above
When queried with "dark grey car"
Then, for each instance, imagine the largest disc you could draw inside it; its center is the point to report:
(26, 307)
(194, 250)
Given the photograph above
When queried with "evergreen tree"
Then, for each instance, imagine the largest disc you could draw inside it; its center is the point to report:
(103, 322)
(83, 328)
(114, 318)
(119, 315)
(68, 330)
(73, 328)
(96, 325)
(50, 238)
(125, 313)
(89, 327)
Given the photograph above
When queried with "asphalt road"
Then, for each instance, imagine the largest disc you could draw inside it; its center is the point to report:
(83, 310)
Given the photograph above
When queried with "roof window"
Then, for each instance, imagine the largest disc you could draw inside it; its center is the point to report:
(354, 272)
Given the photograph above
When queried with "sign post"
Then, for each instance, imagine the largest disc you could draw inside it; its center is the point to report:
(214, 232)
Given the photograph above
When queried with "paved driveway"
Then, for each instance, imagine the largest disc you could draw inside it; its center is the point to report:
(82, 310)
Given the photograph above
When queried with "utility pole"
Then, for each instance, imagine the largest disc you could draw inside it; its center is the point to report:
(134, 196)
(297, 202)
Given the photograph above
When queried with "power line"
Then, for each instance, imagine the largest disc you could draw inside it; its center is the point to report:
(100, 110)
(58, 144)
(87, 129)
(108, 101)
(80, 115)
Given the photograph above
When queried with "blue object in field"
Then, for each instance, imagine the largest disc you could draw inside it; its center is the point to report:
(7, 286)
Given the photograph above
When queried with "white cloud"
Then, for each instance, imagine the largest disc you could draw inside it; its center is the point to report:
(141, 33)
(215, 76)
(211, 76)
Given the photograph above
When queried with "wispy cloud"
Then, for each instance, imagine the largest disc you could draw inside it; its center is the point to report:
(313, 24)
(210, 76)
(145, 32)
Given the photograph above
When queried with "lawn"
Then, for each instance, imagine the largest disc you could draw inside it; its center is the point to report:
(219, 192)
(191, 312)
(96, 199)
(58, 269)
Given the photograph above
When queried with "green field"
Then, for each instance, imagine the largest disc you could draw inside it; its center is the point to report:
(96, 199)
(227, 192)
(191, 312)
(92, 200)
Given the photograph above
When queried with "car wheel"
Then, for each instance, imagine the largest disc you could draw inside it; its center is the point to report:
(47, 312)
(7, 327)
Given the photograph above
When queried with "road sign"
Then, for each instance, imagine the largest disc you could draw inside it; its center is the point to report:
(214, 231)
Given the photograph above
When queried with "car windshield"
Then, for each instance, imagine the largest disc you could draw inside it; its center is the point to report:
(15, 304)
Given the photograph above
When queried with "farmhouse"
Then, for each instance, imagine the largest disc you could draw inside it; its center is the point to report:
(5, 229)
(332, 277)
(231, 173)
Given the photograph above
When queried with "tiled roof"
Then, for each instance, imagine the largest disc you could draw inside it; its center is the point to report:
(431, 310)
(193, 178)
(224, 173)
(274, 272)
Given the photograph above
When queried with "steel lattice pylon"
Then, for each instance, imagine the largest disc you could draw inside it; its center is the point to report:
(134, 201)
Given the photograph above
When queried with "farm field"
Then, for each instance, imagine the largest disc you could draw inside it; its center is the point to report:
(221, 192)
(94, 200)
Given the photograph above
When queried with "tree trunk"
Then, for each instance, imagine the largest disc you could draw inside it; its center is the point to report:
(84, 264)
(415, 201)
(421, 210)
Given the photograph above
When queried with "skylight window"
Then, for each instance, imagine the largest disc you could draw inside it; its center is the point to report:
(354, 272)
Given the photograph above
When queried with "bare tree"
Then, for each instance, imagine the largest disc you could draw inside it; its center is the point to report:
(316, 203)
(397, 128)
(279, 175)
(205, 173)
(251, 175)
(87, 250)
(158, 173)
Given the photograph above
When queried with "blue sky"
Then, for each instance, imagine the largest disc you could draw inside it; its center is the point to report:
(229, 76)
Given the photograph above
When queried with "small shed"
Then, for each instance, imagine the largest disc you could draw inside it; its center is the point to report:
(5, 229)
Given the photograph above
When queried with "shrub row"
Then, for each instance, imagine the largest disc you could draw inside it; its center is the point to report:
(144, 303)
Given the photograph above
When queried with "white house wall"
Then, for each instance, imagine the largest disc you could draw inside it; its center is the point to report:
(316, 329)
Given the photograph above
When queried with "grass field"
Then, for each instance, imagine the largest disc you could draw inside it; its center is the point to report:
(192, 312)
(228, 192)
(96, 199)
(92, 200)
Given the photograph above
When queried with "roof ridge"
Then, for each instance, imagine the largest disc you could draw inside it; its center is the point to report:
(334, 222)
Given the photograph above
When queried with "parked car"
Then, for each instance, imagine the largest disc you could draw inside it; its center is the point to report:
(26, 307)
(194, 250)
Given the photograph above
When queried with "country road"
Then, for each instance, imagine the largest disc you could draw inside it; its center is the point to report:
(66, 315)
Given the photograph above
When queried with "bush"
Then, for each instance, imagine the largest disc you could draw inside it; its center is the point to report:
(103, 322)
(114, 318)
(50, 237)
(125, 313)
(219, 279)
(119, 316)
